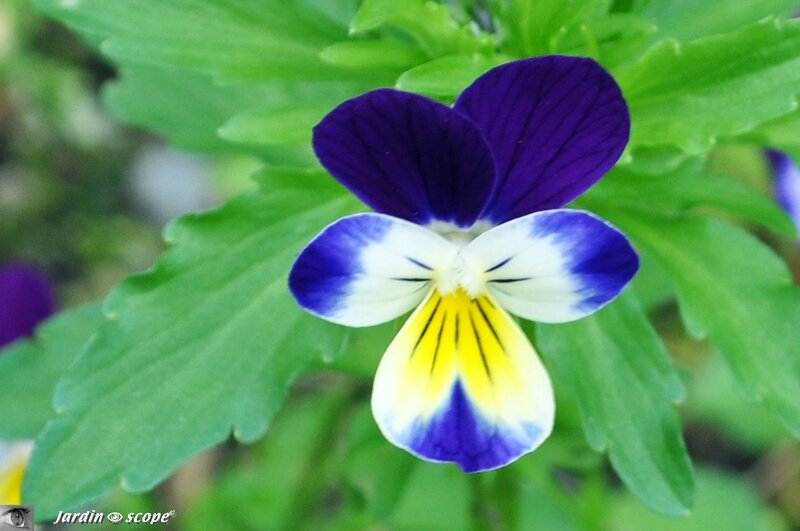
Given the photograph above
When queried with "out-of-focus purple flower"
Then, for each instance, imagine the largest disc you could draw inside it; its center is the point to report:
(26, 299)
(13, 460)
(787, 183)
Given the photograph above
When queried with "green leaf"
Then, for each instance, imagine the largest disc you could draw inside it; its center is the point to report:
(230, 39)
(274, 125)
(293, 457)
(377, 470)
(446, 77)
(612, 39)
(436, 497)
(724, 501)
(154, 97)
(717, 401)
(782, 133)
(533, 27)
(374, 13)
(689, 188)
(31, 368)
(430, 24)
(265, 119)
(205, 343)
(372, 53)
(690, 95)
(685, 21)
(178, 60)
(733, 289)
(625, 384)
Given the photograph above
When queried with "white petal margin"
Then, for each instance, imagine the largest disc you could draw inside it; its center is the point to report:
(461, 383)
(367, 269)
(553, 266)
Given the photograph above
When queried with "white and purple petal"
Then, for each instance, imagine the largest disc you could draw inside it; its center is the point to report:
(26, 299)
(787, 183)
(367, 269)
(553, 266)
(462, 384)
(555, 126)
(407, 156)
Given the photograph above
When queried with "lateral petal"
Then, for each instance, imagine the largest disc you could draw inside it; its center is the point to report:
(461, 383)
(367, 269)
(553, 266)
(407, 156)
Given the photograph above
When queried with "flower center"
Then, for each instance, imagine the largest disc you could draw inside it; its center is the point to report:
(456, 234)
(460, 274)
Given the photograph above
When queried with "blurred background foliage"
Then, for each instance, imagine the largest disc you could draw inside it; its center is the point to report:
(84, 198)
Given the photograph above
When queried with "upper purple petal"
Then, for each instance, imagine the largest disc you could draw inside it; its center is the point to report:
(26, 299)
(787, 183)
(407, 156)
(555, 125)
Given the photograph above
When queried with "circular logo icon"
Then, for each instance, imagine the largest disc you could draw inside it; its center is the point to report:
(114, 518)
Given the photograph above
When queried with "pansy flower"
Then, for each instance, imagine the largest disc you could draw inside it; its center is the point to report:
(468, 227)
(13, 459)
(787, 183)
(26, 299)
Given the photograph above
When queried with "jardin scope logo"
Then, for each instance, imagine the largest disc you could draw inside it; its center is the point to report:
(94, 517)
(15, 517)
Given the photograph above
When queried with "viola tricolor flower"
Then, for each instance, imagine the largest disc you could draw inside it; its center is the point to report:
(26, 299)
(787, 183)
(469, 226)
(13, 459)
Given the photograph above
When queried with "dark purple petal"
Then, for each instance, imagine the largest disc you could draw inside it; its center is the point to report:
(787, 183)
(407, 156)
(26, 299)
(555, 126)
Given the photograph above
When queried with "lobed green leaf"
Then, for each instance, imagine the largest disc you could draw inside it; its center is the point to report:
(205, 343)
(429, 24)
(625, 385)
(690, 188)
(446, 77)
(782, 133)
(691, 95)
(230, 39)
(738, 293)
(533, 27)
(724, 501)
(686, 21)
(31, 368)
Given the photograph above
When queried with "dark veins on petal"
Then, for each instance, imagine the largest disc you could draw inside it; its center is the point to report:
(407, 156)
(555, 126)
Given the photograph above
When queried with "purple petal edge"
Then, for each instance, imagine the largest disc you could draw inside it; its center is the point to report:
(601, 259)
(321, 276)
(460, 435)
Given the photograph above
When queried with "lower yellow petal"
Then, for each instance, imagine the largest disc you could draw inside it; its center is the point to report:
(11, 483)
(461, 383)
